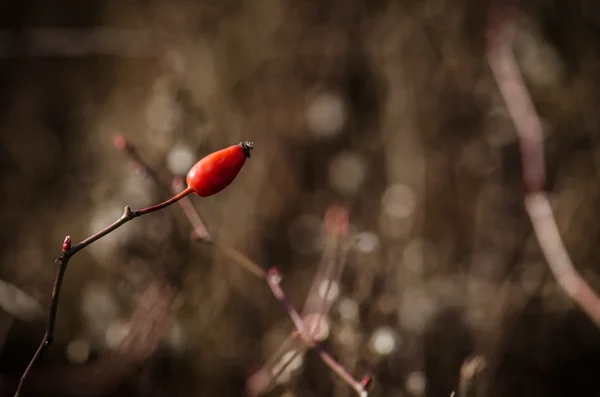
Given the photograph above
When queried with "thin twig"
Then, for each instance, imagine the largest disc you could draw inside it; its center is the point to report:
(200, 233)
(318, 304)
(274, 280)
(527, 123)
(62, 261)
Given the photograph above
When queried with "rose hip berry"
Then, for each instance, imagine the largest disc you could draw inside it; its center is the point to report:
(216, 171)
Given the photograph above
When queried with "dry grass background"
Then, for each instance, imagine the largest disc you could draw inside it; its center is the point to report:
(387, 105)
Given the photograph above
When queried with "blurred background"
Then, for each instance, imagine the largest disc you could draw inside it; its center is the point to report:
(386, 105)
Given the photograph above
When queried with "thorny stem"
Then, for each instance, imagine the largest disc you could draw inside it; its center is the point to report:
(273, 277)
(67, 252)
(521, 109)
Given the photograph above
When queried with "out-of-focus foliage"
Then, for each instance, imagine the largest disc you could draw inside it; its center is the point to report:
(386, 105)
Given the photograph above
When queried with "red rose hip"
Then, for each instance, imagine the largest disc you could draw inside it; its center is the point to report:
(216, 171)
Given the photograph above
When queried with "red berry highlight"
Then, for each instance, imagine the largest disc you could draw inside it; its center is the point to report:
(216, 171)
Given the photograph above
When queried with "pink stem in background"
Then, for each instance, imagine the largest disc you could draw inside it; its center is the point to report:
(527, 123)
(274, 279)
(333, 259)
(336, 224)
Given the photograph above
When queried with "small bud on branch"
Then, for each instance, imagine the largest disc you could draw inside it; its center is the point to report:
(66, 244)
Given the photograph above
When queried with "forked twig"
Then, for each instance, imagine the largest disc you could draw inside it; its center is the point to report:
(272, 277)
(527, 123)
(62, 261)
(317, 304)
(360, 387)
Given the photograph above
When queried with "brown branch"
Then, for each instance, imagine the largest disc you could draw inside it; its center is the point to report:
(273, 277)
(470, 370)
(317, 304)
(62, 261)
(273, 280)
(147, 327)
(527, 123)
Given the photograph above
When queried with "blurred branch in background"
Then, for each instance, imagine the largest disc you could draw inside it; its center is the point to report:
(528, 126)
(324, 290)
(19, 304)
(314, 323)
(68, 43)
(469, 371)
